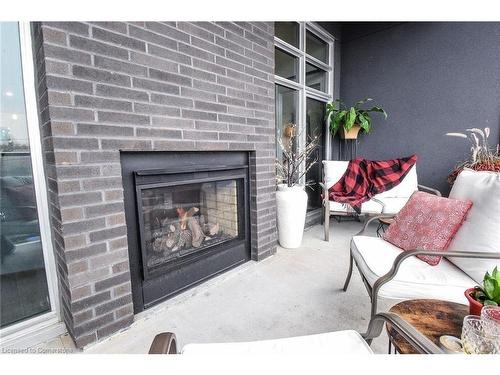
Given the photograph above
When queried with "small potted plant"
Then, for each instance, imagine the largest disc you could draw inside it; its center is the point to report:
(487, 294)
(482, 157)
(348, 121)
(291, 199)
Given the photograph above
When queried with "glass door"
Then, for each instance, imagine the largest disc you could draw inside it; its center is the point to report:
(26, 287)
(315, 127)
(304, 83)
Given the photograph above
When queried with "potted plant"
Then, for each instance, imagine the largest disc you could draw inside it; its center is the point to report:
(487, 294)
(482, 157)
(348, 121)
(291, 199)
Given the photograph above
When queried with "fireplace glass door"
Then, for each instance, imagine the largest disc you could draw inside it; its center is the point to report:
(182, 219)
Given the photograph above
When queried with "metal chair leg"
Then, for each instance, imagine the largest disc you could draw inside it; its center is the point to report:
(349, 274)
(374, 298)
(326, 223)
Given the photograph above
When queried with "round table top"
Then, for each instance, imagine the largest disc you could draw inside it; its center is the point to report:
(433, 318)
(386, 220)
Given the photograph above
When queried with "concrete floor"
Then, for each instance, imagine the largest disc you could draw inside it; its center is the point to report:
(295, 292)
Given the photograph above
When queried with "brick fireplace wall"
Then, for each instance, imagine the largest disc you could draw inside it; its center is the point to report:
(157, 86)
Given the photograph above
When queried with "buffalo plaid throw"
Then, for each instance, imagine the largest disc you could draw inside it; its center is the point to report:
(365, 178)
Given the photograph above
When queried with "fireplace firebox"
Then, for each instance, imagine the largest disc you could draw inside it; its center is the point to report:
(187, 219)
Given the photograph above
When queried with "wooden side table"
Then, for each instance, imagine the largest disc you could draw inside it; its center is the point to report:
(433, 318)
(384, 222)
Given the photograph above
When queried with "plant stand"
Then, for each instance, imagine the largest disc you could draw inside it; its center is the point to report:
(348, 149)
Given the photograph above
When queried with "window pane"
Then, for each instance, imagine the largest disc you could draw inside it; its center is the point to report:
(23, 282)
(286, 114)
(316, 78)
(286, 65)
(316, 47)
(315, 127)
(287, 32)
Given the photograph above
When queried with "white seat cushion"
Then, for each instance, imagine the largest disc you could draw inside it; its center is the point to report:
(415, 278)
(369, 207)
(332, 343)
(481, 228)
(392, 206)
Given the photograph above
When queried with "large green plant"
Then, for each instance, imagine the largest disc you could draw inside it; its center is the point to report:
(341, 115)
(489, 292)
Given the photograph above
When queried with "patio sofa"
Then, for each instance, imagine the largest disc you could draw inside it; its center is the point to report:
(388, 271)
(346, 342)
(387, 203)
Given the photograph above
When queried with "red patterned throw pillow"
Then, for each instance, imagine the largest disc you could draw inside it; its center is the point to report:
(427, 222)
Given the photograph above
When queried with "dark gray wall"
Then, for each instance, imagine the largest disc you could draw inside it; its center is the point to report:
(432, 78)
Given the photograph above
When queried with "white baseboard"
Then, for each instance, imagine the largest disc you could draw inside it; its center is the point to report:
(23, 339)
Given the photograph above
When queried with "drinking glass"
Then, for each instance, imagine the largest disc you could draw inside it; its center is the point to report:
(490, 315)
(476, 339)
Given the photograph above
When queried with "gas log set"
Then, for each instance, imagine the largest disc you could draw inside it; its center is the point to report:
(181, 234)
(188, 231)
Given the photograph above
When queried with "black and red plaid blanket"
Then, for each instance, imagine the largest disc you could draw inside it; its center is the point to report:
(365, 178)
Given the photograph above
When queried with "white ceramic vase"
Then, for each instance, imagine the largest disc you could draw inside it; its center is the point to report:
(291, 204)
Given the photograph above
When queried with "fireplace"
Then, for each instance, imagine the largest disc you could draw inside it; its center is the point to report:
(187, 219)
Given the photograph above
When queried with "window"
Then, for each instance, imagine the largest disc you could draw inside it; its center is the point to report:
(287, 32)
(316, 78)
(315, 127)
(27, 285)
(287, 104)
(304, 83)
(286, 65)
(287, 100)
(316, 47)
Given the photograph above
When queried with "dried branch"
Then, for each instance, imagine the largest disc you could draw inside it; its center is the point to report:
(288, 169)
(482, 157)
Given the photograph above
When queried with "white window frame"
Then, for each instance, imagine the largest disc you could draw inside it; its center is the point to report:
(48, 325)
(304, 91)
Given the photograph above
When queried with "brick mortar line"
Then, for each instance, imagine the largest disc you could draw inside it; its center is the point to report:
(69, 47)
(132, 87)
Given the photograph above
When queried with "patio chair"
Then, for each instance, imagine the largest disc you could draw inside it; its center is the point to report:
(331, 343)
(388, 203)
(388, 271)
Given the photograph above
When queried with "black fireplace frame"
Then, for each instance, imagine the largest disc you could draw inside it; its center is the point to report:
(141, 169)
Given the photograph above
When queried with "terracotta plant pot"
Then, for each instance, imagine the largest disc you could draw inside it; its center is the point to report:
(351, 134)
(475, 307)
(290, 131)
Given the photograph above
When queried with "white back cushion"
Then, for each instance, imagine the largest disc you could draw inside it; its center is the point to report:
(481, 229)
(405, 188)
(335, 169)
